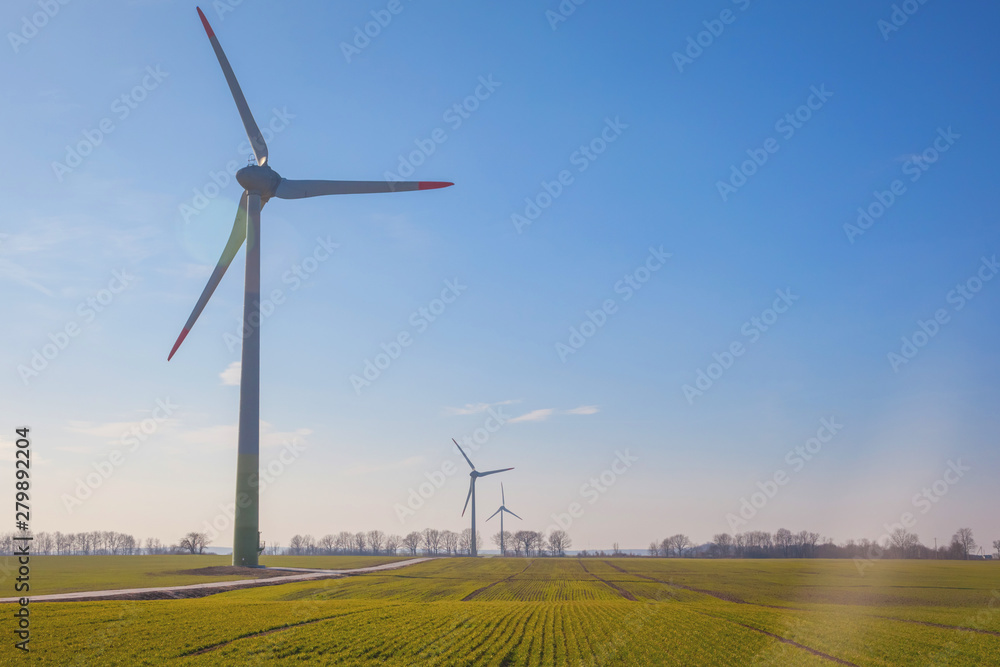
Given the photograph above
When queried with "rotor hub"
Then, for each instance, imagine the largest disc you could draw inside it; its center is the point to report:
(261, 180)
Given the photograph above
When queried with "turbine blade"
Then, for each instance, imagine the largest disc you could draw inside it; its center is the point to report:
(503, 501)
(494, 514)
(463, 454)
(493, 472)
(253, 132)
(472, 486)
(509, 512)
(236, 239)
(288, 189)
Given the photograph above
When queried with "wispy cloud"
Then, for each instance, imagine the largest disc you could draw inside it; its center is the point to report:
(20, 275)
(231, 376)
(476, 408)
(533, 416)
(545, 413)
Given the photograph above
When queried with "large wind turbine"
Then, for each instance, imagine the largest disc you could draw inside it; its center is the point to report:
(503, 508)
(260, 183)
(473, 476)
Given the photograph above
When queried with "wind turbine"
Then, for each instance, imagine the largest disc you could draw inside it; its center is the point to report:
(473, 476)
(260, 183)
(503, 508)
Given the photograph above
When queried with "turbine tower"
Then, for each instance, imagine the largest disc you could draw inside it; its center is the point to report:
(260, 183)
(503, 508)
(473, 476)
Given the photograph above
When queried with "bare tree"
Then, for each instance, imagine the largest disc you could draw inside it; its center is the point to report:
(326, 543)
(903, 541)
(392, 544)
(360, 542)
(449, 540)
(679, 543)
(654, 549)
(505, 542)
(44, 543)
(412, 542)
(783, 539)
(523, 541)
(344, 542)
(194, 543)
(965, 541)
(539, 544)
(559, 542)
(996, 547)
(723, 543)
(432, 541)
(464, 543)
(376, 539)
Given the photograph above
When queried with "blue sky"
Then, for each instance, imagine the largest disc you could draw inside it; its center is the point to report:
(678, 131)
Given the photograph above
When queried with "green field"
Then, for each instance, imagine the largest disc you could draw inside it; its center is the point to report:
(68, 574)
(496, 611)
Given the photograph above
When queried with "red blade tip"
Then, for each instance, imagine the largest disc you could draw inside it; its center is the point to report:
(204, 22)
(180, 339)
(433, 185)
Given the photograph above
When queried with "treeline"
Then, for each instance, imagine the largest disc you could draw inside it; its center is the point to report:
(783, 543)
(97, 542)
(429, 542)
(900, 543)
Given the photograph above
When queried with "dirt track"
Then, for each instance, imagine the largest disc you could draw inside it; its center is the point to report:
(265, 577)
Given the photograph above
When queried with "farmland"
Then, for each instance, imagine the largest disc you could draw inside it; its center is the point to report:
(554, 612)
(67, 574)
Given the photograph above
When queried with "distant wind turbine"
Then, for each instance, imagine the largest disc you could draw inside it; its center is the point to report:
(260, 183)
(503, 508)
(473, 476)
